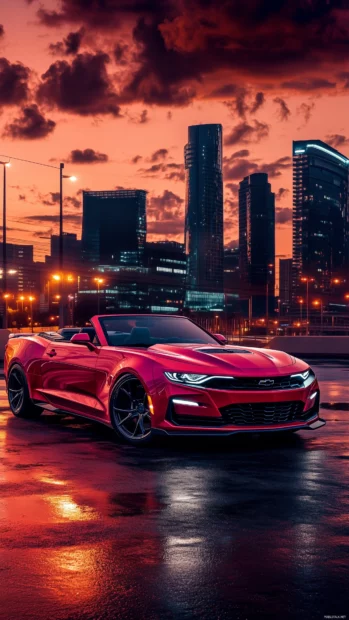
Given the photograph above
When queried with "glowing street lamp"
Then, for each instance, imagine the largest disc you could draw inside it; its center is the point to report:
(318, 303)
(5, 165)
(73, 179)
(31, 299)
(307, 280)
(99, 281)
(22, 298)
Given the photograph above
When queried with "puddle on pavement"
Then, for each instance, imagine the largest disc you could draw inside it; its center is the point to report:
(134, 504)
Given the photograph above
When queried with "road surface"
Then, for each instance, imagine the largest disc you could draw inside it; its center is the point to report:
(239, 529)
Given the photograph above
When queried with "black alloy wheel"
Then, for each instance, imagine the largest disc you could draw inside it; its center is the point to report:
(130, 413)
(19, 399)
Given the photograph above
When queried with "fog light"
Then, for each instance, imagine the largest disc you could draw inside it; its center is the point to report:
(190, 403)
(313, 396)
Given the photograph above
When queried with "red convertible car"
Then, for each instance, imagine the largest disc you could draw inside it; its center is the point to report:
(151, 374)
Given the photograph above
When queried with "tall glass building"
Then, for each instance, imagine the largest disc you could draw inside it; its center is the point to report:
(320, 212)
(257, 243)
(114, 227)
(204, 218)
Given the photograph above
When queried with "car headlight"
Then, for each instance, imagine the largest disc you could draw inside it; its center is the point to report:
(304, 375)
(185, 377)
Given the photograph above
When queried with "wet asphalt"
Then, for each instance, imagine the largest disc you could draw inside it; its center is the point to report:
(244, 528)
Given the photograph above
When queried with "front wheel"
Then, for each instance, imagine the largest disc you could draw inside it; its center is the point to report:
(129, 410)
(19, 399)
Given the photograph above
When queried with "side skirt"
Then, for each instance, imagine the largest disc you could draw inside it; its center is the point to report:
(59, 411)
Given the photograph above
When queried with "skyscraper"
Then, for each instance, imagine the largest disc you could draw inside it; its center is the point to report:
(71, 252)
(285, 281)
(204, 217)
(320, 212)
(114, 227)
(257, 242)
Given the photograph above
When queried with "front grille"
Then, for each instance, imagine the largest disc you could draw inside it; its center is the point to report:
(245, 414)
(256, 383)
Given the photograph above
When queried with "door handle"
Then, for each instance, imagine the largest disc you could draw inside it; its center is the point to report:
(52, 353)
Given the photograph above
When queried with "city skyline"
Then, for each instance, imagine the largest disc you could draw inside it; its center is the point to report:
(132, 132)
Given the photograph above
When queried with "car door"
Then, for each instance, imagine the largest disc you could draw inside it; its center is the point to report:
(68, 377)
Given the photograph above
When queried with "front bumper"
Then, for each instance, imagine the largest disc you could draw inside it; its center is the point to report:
(186, 410)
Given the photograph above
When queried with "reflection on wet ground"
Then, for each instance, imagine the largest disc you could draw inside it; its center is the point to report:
(246, 528)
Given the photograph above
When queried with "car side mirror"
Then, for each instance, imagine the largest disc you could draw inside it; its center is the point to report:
(221, 339)
(81, 338)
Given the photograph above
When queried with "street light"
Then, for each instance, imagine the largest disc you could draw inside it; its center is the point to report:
(99, 282)
(307, 280)
(22, 298)
(71, 178)
(5, 165)
(31, 299)
(317, 303)
(301, 302)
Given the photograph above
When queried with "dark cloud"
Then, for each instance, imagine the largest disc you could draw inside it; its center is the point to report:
(70, 45)
(240, 169)
(87, 156)
(166, 214)
(170, 171)
(165, 203)
(284, 110)
(82, 87)
(344, 75)
(14, 82)
(283, 216)
(136, 159)
(143, 117)
(2, 31)
(232, 187)
(44, 219)
(309, 84)
(30, 125)
(120, 53)
(105, 14)
(337, 140)
(21, 197)
(258, 102)
(241, 153)
(158, 155)
(306, 110)
(276, 168)
(161, 77)
(245, 132)
(282, 193)
(177, 45)
(237, 169)
(235, 98)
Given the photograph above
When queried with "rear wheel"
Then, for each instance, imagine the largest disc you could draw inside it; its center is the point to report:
(19, 399)
(129, 410)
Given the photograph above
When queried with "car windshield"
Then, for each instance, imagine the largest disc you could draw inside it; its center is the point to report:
(145, 331)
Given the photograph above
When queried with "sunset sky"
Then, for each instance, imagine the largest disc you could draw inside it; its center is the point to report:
(110, 87)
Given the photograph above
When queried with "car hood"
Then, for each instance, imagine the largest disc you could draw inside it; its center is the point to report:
(223, 359)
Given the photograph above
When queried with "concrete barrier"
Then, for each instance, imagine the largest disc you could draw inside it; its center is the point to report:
(312, 346)
(4, 334)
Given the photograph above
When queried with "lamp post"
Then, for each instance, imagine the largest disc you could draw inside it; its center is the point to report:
(307, 280)
(61, 284)
(99, 282)
(5, 165)
(318, 302)
(301, 302)
(31, 299)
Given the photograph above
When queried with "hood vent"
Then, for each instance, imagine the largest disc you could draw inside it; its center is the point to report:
(223, 351)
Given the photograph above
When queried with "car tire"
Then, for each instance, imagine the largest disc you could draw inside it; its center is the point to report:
(19, 399)
(129, 411)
